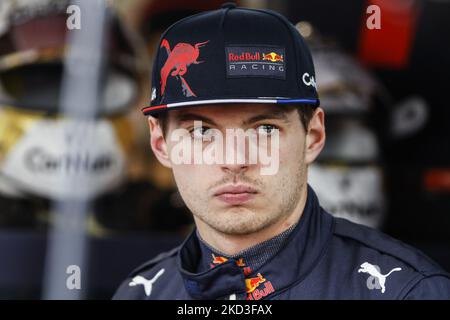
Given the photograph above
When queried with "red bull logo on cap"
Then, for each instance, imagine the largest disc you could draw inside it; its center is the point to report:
(178, 60)
(244, 56)
(255, 62)
(273, 57)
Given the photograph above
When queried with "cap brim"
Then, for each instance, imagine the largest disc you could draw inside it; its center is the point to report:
(152, 110)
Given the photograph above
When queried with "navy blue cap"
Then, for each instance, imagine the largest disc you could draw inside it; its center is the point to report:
(232, 55)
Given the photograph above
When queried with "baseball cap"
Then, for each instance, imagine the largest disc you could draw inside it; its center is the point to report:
(231, 55)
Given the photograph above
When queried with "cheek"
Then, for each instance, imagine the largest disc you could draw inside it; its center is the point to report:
(191, 177)
(291, 153)
(184, 174)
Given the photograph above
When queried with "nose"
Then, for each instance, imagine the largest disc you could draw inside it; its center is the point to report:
(234, 169)
(236, 159)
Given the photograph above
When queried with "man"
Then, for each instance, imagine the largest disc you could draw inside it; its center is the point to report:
(260, 231)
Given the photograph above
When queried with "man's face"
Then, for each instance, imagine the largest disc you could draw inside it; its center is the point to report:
(235, 198)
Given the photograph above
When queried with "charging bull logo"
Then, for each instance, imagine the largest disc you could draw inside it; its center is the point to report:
(178, 60)
(240, 263)
(272, 57)
(252, 285)
(218, 260)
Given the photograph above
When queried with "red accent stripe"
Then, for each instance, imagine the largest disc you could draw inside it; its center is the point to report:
(147, 109)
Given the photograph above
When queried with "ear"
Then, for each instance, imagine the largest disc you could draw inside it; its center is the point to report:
(315, 137)
(158, 143)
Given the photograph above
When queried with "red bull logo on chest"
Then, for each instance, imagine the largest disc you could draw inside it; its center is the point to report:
(258, 287)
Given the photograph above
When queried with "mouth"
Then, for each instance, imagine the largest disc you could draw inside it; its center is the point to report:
(235, 194)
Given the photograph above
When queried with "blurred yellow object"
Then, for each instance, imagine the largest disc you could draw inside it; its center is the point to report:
(44, 154)
(20, 58)
(13, 125)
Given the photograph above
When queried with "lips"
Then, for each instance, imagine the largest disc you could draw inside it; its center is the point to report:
(235, 194)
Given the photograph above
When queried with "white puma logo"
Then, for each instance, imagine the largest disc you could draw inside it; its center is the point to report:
(146, 283)
(375, 274)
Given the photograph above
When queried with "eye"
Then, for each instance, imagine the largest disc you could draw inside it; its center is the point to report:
(200, 132)
(266, 129)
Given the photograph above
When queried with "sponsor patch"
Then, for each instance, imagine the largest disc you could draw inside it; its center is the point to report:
(252, 61)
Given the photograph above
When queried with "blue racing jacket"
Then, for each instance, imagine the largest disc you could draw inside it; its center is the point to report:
(323, 258)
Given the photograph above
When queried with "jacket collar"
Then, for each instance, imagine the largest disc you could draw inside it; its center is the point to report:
(249, 258)
(289, 266)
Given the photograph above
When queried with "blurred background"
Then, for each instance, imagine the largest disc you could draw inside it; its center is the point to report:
(79, 184)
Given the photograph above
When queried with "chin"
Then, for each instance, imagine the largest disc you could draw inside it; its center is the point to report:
(239, 214)
(236, 229)
(239, 221)
(238, 209)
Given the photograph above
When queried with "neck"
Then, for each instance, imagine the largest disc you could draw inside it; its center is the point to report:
(233, 244)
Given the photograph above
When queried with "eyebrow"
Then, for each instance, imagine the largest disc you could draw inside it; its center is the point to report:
(275, 114)
(270, 115)
(186, 117)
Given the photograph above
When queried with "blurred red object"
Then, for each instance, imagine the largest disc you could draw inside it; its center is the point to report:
(389, 46)
(437, 180)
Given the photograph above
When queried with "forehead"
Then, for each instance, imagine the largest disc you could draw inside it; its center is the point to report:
(223, 112)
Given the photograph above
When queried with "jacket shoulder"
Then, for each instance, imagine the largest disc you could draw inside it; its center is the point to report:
(366, 248)
(363, 236)
(125, 292)
(155, 261)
